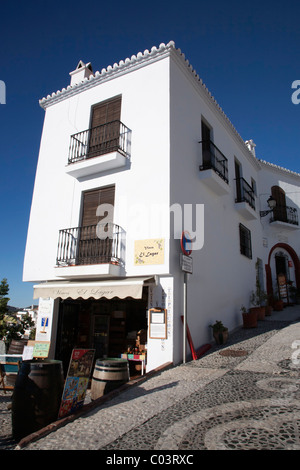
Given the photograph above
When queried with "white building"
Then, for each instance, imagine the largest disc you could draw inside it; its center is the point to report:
(146, 138)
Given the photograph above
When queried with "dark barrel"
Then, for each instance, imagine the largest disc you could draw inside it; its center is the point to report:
(109, 374)
(36, 396)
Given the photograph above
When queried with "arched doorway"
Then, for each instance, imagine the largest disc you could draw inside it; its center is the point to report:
(280, 257)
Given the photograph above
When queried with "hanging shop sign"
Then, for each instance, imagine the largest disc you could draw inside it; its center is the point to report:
(147, 252)
(158, 323)
(77, 380)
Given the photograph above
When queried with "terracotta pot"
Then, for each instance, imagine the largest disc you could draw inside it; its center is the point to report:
(278, 305)
(250, 319)
(221, 337)
(268, 311)
(261, 313)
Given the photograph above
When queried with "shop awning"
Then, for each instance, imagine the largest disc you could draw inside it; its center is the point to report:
(129, 287)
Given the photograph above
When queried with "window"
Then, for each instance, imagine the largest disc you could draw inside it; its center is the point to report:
(105, 127)
(245, 241)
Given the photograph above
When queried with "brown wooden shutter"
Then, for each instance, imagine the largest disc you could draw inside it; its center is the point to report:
(107, 111)
(279, 211)
(91, 200)
(105, 127)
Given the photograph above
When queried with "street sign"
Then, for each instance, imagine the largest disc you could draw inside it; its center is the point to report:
(186, 243)
(186, 263)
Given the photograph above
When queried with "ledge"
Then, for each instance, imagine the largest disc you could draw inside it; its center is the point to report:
(90, 166)
(214, 182)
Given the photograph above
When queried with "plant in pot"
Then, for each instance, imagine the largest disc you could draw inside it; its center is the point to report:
(292, 293)
(257, 309)
(268, 306)
(277, 302)
(220, 332)
(249, 317)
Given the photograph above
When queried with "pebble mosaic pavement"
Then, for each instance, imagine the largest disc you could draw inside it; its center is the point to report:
(245, 398)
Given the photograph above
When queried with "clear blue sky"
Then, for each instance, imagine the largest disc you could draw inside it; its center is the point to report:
(247, 54)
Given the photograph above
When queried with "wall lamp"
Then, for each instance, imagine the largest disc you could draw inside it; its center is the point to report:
(272, 204)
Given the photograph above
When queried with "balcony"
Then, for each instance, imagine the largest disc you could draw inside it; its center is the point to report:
(245, 199)
(98, 149)
(214, 168)
(285, 217)
(91, 250)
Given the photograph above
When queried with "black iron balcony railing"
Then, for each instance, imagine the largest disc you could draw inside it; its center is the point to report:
(213, 158)
(93, 244)
(285, 214)
(244, 192)
(110, 137)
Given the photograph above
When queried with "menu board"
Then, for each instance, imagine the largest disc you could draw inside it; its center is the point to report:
(77, 380)
(157, 323)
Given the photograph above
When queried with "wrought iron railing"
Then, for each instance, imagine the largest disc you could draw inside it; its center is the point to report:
(285, 214)
(213, 158)
(93, 244)
(244, 192)
(100, 140)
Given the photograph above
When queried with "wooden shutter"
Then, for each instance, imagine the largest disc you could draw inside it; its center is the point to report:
(91, 201)
(279, 211)
(91, 248)
(107, 111)
(105, 127)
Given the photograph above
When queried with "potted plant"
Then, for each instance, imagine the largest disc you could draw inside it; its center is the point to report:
(220, 332)
(249, 317)
(257, 309)
(292, 293)
(277, 301)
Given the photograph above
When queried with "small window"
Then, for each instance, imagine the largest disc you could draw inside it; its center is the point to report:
(245, 241)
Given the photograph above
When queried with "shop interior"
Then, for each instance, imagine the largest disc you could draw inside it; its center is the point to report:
(111, 327)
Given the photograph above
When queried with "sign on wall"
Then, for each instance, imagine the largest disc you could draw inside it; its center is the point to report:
(147, 252)
(44, 320)
(158, 323)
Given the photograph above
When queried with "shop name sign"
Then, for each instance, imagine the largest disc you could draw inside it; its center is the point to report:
(149, 252)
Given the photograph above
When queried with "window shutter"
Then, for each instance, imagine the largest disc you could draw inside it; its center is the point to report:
(106, 112)
(91, 201)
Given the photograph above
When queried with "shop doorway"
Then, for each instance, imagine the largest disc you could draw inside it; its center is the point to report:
(110, 327)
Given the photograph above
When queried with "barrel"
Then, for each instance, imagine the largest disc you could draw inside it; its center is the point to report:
(37, 396)
(109, 374)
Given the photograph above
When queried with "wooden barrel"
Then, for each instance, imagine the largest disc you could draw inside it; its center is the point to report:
(37, 396)
(109, 374)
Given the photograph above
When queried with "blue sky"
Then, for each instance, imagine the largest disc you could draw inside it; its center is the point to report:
(247, 54)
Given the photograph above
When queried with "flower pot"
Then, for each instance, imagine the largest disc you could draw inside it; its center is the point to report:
(268, 311)
(221, 336)
(250, 319)
(278, 305)
(261, 313)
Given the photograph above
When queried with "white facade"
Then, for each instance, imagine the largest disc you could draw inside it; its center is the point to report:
(163, 105)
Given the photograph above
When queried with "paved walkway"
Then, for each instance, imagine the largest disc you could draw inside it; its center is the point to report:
(244, 395)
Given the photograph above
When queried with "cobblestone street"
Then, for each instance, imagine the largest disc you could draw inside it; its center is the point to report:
(243, 395)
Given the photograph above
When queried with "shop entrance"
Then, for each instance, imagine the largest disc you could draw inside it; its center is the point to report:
(111, 327)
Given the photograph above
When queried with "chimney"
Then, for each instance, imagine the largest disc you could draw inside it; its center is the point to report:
(251, 146)
(81, 72)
